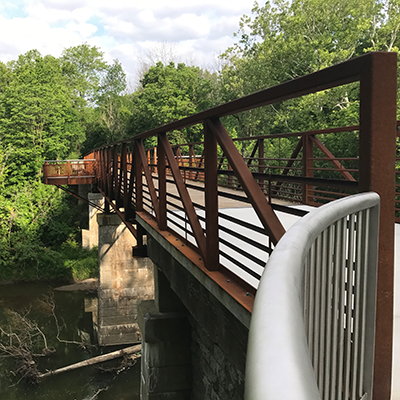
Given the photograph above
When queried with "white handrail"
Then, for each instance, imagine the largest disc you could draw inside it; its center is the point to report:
(279, 365)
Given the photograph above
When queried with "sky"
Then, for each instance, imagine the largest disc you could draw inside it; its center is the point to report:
(195, 31)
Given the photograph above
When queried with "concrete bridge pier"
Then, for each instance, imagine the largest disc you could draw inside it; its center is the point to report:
(166, 370)
(194, 336)
(123, 281)
(90, 237)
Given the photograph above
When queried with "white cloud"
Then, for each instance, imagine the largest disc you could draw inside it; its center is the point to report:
(199, 28)
(84, 30)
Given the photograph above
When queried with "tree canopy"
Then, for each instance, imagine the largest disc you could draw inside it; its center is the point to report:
(284, 40)
(168, 93)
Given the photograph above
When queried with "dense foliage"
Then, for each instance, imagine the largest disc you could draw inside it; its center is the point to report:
(43, 106)
(55, 108)
(284, 40)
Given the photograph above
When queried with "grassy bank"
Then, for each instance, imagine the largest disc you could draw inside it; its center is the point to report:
(68, 263)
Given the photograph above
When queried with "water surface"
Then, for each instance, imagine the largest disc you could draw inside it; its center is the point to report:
(88, 383)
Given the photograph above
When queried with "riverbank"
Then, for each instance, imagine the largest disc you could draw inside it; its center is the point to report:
(87, 285)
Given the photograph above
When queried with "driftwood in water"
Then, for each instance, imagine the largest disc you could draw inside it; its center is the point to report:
(94, 360)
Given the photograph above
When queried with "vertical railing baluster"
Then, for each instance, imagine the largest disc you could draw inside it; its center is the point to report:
(349, 307)
(162, 185)
(192, 158)
(359, 265)
(317, 306)
(261, 162)
(115, 175)
(363, 296)
(321, 273)
(336, 310)
(154, 169)
(329, 311)
(311, 329)
(109, 173)
(138, 178)
(123, 174)
(308, 169)
(68, 171)
(211, 199)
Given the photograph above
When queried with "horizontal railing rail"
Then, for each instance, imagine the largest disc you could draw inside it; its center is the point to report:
(313, 323)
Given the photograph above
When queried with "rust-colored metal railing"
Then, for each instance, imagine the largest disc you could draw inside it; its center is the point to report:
(69, 172)
(307, 172)
(136, 185)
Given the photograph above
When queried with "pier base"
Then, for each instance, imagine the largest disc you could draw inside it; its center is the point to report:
(124, 280)
(166, 370)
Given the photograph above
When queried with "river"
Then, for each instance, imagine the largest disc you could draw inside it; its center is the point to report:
(88, 383)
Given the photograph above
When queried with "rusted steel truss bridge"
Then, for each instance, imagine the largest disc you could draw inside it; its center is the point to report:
(184, 191)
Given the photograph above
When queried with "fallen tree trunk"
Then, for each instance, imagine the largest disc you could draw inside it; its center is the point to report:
(94, 360)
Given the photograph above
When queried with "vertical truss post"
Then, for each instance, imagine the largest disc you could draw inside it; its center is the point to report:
(138, 177)
(115, 175)
(130, 184)
(154, 169)
(192, 157)
(162, 186)
(307, 168)
(261, 161)
(211, 200)
(46, 171)
(109, 175)
(123, 179)
(377, 173)
(103, 180)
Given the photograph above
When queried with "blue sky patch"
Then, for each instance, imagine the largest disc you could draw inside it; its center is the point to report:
(96, 21)
(13, 9)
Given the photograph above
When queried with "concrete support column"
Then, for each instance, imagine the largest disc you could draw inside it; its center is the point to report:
(90, 237)
(124, 280)
(84, 191)
(166, 371)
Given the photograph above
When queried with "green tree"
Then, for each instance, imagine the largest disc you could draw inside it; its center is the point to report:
(168, 93)
(90, 76)
(284, 40)
(84, 66)
(38, 119)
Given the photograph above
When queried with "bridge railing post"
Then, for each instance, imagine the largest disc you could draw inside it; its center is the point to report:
(123, 179)
(162, 185)
(261, 161)
(115, 179)
(138, 177)
(130, 186)
(109, 175)
(211, 199)
(377, 146)
(192, 160)
(308, 163)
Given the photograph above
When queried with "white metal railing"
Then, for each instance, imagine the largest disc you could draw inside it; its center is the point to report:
(313, 324)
